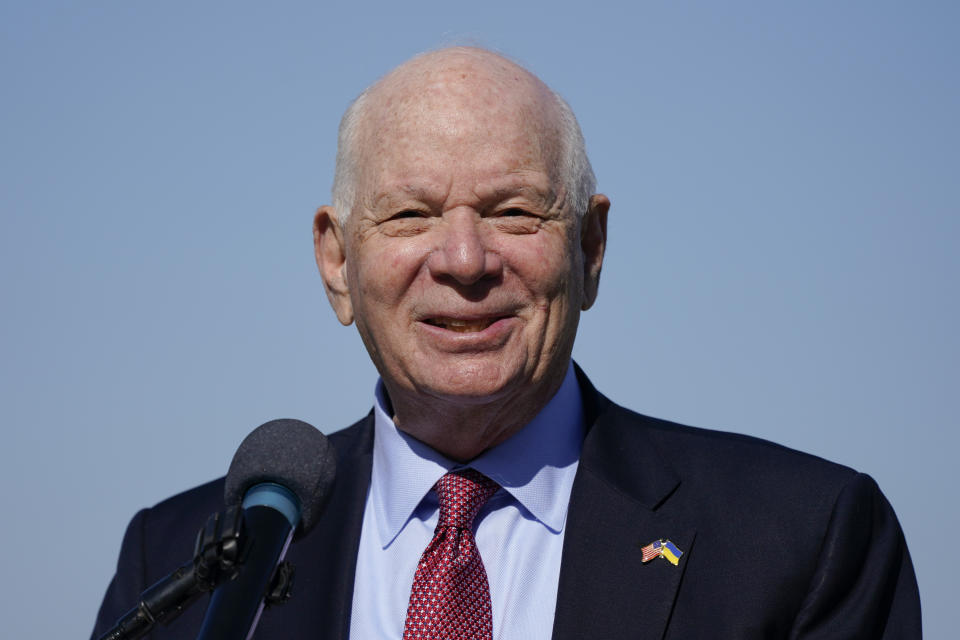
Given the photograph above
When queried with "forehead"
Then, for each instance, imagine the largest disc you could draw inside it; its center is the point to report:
(458, 116)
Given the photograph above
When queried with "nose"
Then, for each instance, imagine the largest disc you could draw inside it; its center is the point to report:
(464, 252)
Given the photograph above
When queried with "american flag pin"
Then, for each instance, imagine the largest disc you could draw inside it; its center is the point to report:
(651, 551)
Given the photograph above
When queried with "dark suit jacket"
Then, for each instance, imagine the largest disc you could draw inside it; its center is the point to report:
(776, 543)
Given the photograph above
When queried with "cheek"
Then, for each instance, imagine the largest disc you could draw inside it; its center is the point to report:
(383, 275)
(548, 270)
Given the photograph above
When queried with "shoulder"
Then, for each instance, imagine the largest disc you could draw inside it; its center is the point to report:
(165, 533)
(699, 454)
(743, 464)
(202, 499)
(715, 454)
(181, 516)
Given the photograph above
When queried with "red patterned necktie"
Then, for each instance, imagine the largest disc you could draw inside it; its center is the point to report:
(450, 599)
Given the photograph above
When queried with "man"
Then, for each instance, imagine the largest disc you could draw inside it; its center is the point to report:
(492, 492)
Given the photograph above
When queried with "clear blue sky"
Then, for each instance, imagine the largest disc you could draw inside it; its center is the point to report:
(783, 258)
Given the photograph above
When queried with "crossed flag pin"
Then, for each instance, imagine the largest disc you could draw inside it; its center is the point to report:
(661, 549)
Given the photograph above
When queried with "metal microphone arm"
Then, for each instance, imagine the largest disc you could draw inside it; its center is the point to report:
(217, 556)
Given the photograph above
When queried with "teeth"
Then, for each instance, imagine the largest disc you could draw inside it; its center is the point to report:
(460, 326)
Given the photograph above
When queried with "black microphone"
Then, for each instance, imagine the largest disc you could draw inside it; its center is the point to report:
(280, 475)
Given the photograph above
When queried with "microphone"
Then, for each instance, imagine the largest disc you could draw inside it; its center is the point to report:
(280, 476)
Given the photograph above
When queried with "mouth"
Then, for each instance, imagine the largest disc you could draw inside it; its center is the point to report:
(462, 326)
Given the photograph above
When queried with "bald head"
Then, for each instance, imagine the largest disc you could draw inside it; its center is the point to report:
(457, 93)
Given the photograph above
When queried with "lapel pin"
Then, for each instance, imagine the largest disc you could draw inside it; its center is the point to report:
(661, 549)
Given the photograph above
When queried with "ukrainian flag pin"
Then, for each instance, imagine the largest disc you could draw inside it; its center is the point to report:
(671, 553)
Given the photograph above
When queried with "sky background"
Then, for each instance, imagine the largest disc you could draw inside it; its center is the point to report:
(782, 261)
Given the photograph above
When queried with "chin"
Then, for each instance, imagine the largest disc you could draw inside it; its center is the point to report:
(471, 382)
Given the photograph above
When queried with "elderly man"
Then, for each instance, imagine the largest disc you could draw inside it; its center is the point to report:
(492, 492)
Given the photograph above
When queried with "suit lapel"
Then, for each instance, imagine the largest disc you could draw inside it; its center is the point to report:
(605, 590)
(326, 559)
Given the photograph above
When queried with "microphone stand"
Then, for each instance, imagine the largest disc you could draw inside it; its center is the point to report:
(218, 554)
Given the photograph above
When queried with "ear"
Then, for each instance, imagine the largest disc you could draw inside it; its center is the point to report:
(330, 251)
(593, 242)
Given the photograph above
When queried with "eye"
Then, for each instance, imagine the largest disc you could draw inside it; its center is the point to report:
(406, 222)
(517, 220)
(407, 213)
(515, 212)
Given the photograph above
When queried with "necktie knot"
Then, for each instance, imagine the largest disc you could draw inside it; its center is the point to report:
(462, 494)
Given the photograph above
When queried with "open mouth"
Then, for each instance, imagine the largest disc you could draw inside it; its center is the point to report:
(461, 326)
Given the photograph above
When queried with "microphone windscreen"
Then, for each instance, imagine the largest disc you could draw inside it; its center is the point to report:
(290, 453)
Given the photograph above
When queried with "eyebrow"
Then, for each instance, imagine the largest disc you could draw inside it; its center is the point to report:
(427, 195)
(502, 193)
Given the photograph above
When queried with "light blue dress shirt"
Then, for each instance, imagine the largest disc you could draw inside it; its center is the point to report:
(519, 532)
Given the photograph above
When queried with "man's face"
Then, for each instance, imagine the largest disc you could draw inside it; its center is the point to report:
(463, 257)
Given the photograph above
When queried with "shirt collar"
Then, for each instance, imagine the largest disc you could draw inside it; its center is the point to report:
(536, 465)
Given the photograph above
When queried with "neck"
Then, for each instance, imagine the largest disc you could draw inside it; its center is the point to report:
(463, 429)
